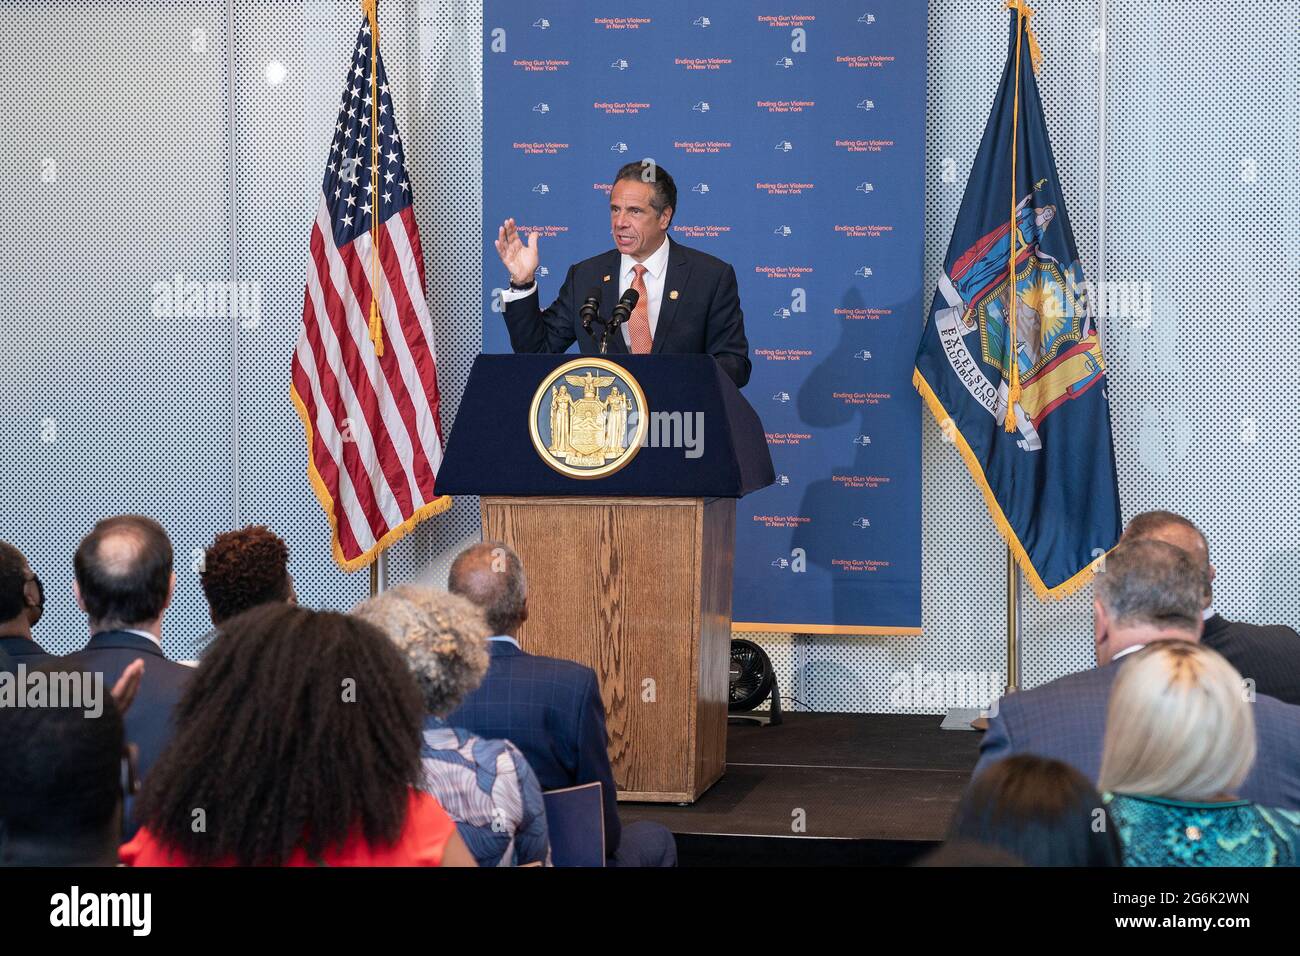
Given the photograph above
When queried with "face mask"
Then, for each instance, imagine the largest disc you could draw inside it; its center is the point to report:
(35, 611)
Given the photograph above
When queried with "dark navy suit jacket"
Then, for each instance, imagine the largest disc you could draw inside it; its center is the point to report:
(551, 710)
(21, 651)
(1066, 720)
(704, 318)
(1268, 655)
(149, 721)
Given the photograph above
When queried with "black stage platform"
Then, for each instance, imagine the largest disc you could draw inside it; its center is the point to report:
(873, 789)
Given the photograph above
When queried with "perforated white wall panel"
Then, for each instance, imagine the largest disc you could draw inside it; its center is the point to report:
(126, 173)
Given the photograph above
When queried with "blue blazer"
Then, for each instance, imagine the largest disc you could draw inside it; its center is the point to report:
(149, 721)
(21, 651)
(551, 710)
(1066, 720)
(704, 318)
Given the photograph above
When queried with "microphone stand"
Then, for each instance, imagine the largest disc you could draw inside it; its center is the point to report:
(621, 313)
(610, 327)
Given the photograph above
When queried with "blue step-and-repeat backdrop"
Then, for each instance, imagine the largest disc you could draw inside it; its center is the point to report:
(796, 137)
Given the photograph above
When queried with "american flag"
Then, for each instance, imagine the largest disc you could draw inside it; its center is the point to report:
(368, 394)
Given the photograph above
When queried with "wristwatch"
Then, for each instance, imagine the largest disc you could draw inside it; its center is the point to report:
(520, 288)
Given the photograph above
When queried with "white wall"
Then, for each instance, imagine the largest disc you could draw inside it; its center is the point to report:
(148, 149)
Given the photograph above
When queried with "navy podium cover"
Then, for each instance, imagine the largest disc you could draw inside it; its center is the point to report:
(796, 137)
(490, 452)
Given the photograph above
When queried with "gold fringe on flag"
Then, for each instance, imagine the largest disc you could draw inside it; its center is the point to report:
(1000, 522)
(1035, 52)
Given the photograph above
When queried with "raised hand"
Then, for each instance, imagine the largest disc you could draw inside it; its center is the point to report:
(124, 689)
(520, 259)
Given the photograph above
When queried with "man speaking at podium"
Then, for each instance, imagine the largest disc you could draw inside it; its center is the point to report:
(686, 300)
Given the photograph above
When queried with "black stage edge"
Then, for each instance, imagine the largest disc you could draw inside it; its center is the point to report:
(867, 789)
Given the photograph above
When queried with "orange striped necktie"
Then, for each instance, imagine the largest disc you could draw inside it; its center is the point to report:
(639, 323)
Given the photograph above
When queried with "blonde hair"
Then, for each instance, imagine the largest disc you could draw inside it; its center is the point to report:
(443, 637)
(1178, 725)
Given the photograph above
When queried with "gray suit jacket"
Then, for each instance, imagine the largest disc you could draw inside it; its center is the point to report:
(1066, 720)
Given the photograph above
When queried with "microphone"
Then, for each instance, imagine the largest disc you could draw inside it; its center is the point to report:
(590, 310)
(623, 310)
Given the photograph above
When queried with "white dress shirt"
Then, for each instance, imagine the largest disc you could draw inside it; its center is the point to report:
(1133, 649)
(656, 266)
(152, 637)
(656, 269)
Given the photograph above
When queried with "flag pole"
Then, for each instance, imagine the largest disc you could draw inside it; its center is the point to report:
(371, 10)
(1023, 13)
(1013, 623)
(1013, 393)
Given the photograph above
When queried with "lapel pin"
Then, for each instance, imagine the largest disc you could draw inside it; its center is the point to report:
(673, 294)
(606, 279)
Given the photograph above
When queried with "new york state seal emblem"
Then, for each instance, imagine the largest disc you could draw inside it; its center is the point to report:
(588, 418)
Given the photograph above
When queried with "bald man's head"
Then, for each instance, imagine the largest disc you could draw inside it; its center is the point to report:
(491, 575)
(1176, 530)
(124, 572)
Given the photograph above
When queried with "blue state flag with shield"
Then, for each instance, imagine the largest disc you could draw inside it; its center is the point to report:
(1010, 361)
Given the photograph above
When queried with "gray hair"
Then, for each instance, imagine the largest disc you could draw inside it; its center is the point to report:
(1150, 524)
(491, 575)
(1152, 583)
(444, 638)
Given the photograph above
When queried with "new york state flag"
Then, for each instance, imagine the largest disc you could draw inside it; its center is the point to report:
(1012, 368)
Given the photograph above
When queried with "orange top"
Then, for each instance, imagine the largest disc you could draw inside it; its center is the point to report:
(421, 843)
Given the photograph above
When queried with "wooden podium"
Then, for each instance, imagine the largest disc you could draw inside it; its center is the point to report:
(656, 628)
(626, 573)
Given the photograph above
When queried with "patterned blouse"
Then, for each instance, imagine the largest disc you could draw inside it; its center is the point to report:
(487, 787)
(1160, 832)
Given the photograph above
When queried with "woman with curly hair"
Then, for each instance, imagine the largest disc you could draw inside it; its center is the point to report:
(297, 743)
(486, 785)
(243, 569)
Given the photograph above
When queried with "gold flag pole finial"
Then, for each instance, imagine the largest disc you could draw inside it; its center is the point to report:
(371, 9)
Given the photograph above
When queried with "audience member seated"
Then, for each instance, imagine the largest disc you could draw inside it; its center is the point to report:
(1041, 811)
(243, 569)
(297, 744)
(124, 583)
(22, 601)
(549, 708)
(61, 773)
(486, 786)
(1270, 655)
(1180, 739)
(1148, 591)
